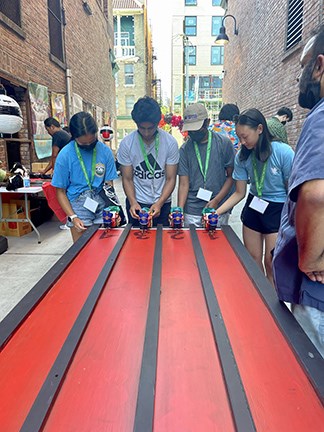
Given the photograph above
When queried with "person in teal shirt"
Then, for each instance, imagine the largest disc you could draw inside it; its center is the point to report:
(268, 165)
(82, 168)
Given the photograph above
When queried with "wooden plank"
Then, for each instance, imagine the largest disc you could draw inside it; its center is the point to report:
(100, 388)
(48, 392)
(190, 390)
(280, 396)
(27, 357)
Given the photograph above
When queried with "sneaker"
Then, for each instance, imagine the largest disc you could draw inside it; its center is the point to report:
(64, 227)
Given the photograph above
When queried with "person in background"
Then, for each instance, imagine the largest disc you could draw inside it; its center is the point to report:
(276, 124)
(59, 139)
(82, 168)
(267, 164)
(226, 126)
(148, 160)
(205, 167)
(298, 258)
(4, 175)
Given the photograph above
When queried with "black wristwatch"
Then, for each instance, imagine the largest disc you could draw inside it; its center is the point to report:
(70, 218)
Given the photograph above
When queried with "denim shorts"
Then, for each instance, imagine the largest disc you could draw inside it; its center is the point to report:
(312, 322)
(87, 217)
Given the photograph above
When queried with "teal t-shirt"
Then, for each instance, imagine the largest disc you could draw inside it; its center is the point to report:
(68, 173)
(277, 172)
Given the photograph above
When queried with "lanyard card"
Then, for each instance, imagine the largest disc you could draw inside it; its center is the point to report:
(258, 205)
(90, 204)
(204, 194)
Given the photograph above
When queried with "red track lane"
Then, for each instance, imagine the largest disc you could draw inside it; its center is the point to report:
(280, 396)
(27, 358)
(190, 392)
(100, 389)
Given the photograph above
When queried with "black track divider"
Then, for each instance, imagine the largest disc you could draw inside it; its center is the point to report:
(146, 390)
(47, 394)
(309, 358)
(239, 405)
(28, 303)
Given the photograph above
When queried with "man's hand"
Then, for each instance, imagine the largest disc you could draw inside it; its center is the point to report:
(78, 224)
(213, 203)
(133, 209)
(316, 276)
(155, 210)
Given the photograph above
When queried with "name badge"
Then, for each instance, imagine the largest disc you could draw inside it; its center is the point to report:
(258, 205)
(204, 194)
(90, 204)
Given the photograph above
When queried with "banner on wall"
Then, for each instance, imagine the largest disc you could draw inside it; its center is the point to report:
(99, 116)
(59, 108)
(77, 103)
(107, 118)
(40, 109)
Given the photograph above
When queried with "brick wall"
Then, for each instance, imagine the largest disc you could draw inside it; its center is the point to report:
(259, 72)
(25, 57)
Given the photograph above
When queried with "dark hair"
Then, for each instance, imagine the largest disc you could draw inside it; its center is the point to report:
(318, 47)
(66, 129)
(228, 111)
(285, 111)
(51, 121)
(82, 123)
(146, 109)
(253, 118)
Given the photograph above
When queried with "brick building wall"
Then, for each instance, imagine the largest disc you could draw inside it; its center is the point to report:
(25, 57)
(258, 71)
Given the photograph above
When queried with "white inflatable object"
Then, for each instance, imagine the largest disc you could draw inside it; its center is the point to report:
(106, 133)
(11, 119)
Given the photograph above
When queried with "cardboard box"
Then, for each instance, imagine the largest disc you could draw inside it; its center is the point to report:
(20, 205)
(17, 229)
(4, 225)
(39, 166)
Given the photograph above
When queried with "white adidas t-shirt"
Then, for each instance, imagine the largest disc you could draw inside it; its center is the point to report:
(148, 188)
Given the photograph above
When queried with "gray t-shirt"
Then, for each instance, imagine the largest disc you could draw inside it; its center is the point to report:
(148, 188)
(221, 157)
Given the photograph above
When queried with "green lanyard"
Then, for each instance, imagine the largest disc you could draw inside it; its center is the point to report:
(259, 183)
(93, 165)
(204, 171)
(147, 162)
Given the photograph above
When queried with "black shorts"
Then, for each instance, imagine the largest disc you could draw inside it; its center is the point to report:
(266, 223)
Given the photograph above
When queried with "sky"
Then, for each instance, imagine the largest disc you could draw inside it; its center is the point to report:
(159, 14)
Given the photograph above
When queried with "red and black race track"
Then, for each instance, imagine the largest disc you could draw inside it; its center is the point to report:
(161, 331)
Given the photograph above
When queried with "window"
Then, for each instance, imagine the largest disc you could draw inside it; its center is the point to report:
(190, 2)
(11, 9)
(216, 25)
(191, 52)
(295, 23)
(55, 29)
(204, 82)
(129, 102)
(129, 74)
(217, 55)
(191, 25)
(105, 8)
(217, 2)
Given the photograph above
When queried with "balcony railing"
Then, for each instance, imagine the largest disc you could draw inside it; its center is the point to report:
(125, 51)
(210, 94)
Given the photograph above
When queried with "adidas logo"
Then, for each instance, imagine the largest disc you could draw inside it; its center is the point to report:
(142, 172)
